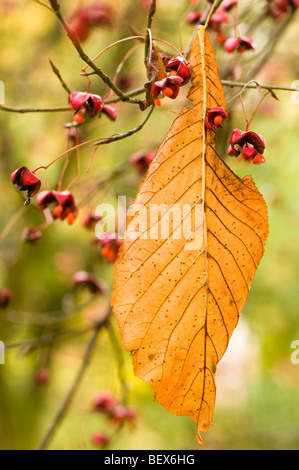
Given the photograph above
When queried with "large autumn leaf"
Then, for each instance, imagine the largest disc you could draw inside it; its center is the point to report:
(177, 296)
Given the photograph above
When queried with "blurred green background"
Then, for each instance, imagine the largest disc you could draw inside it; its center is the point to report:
(257, 404)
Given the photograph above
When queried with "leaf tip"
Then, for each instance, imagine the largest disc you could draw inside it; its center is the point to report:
(199, 439)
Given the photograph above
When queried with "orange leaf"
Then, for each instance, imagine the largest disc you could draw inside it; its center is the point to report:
(178, 295)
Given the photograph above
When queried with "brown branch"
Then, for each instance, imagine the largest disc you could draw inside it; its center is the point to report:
(46, 318)
(120, 360)
(228, 83)
(215, 5)
(98, 142)
(269, 48)
(12, 222)
(58, 109)
(105, 78)
(11, 109)
(210, 9)
(151, 13)
(115, 138)
(29, 345)
(136, 92)
(73, 389)
(107, 179)
(255, 85)
(58, 75)
(40, 2)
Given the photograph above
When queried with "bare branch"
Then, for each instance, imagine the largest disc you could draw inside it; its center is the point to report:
(255, 85)
(77, 381)
(58, 75)
(117, 137)
(11, 109)
(105, 78)
(151, 13)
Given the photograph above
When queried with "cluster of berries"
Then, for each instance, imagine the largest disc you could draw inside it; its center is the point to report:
(220, 18)
(85, 279)
(142, 161)
(278, 8)
(85, 19)
(110, 244)
(88, 105)
(63, 207)
(117, 413)
(64, 204)
(246, 145)
(178, 74)
(85, 105)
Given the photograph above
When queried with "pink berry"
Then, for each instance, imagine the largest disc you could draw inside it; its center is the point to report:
(42, 376)
(103, 402)
(100, 439)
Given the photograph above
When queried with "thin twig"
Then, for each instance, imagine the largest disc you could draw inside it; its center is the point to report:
(269, 48)
(73, 389)
(13, 220)
(31, 344)
(151, 12)
(257, 107)
(121, 65)
(22, 110)
(109, 47)
(106, 79)
(58, 75)
(97, 142)
(46, 318)
(120, 360)
(117, 137)
(213, 9)
(40, 2)
(244, 111)
(117, 171)
(137, 91)
(255, 85)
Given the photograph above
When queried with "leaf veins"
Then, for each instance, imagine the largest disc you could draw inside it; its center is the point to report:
(177, 307)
